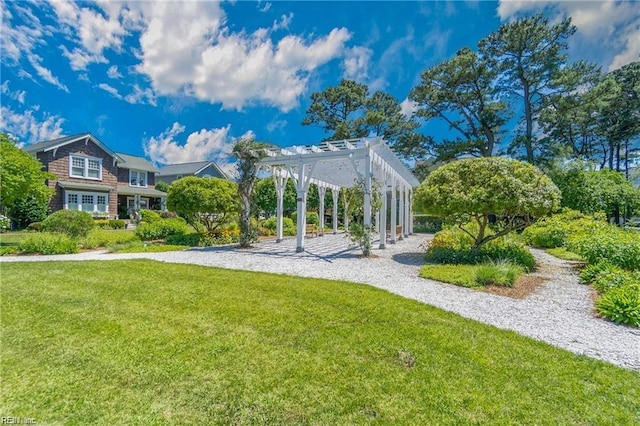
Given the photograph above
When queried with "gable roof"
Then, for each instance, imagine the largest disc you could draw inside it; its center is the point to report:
(190, 169)
(133, 162)
(54, 144)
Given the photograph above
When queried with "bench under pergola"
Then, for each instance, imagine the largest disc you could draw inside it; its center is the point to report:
(338, 164)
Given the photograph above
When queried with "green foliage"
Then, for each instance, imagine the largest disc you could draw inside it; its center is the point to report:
(162, 186)
(288, 226)
(149, 216)
(35, 226)
(21, 175)
(474, 189)
(117, 224)
(5, 223)
(553, 231)
(592, 191)
(28, 209)
(589, 273)
(311, 218)
(46, 243)
(161, 229)
(610, 244)
(621, 305)
(143, 247)
(462, 275)
(564, 254)
(427, 224)
(501, 274)
(105, 238)
(205, 203)
(361, 236)
(70, 222)
(453, 246)
(101, 224)
(607, 280)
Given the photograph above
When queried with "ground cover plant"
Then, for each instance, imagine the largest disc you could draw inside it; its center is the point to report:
(501, 274)
(182, 343)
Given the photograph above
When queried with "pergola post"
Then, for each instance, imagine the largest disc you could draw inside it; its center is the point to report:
(394, 209)
(335, 193)
(405, 228)
(383, 212)
(281, 184)
(301, 208)
(401, 215)
(367, 191)
(410, 212)
(322, 191)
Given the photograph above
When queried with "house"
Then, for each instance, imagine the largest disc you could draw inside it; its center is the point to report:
(93, 178)
(173, 172)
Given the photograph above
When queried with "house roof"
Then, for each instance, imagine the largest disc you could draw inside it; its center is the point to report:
(137, 163)
(189, 168)
(54, 144)
(145, 192)
(85, 186)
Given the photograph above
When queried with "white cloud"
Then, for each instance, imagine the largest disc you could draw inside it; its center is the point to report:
(141, 96)
(276, 125)
(207, 144)
(113, 72)
(110, 89)
(612, 26)
(408, 107)
(283, 23)
(356, 63)
(264, 8)
(45, 73)
(16, 96)
(26, 127)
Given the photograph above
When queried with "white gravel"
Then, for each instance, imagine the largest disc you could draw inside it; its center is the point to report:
(560, 312)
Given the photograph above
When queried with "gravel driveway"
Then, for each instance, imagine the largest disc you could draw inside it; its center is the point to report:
(560, 312)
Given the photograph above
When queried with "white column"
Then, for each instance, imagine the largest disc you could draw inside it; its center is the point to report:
(281, 184)
(410, 211)
(394, 210)
(301, 208)
(401, 213)
(322, 191)
(367, 191)
(383, 213)
(405, 227)
(335, 193)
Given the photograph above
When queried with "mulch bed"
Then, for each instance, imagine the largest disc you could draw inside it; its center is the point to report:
(523, 287)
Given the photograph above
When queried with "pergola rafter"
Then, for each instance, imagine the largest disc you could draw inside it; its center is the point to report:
(337, 164)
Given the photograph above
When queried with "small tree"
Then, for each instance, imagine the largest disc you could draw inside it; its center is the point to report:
(248, 152)
(27, 210)
(360, 234)
(162, 186)
(474, 189)
(205, 203)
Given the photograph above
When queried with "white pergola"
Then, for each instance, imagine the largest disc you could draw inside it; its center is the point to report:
(337, 164)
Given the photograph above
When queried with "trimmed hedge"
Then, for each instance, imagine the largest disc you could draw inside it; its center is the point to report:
(73, 223)
(161, 229)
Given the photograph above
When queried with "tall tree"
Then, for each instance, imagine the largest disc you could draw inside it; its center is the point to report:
(528, 52)
(461, 92)
(21, 176)
(339, 110)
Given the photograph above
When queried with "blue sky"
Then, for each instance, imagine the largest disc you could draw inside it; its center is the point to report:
(181, 81)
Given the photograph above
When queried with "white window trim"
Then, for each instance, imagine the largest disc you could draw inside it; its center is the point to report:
(95, 199)
(138, 172)
(86, 167)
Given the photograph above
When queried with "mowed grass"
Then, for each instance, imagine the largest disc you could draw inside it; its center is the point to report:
(143, 342)
(564, 254)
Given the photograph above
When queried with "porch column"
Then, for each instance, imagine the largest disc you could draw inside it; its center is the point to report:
(136, 199)
(394, 209)
(335, 193)
(346, 214)
(301, 208)
(410, 211)
(383, 212)
(281, 183)
(401, 215)
(405, 228)
(163, 204)
(322, 192)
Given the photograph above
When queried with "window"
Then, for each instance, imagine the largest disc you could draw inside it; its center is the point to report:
(85, 167)
(137, 178)
(87, 201)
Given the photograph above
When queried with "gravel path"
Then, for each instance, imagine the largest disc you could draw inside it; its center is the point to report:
(560, 312)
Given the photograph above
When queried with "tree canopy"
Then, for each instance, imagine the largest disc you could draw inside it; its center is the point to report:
(473, 189)
(21, 176)
(205, 203)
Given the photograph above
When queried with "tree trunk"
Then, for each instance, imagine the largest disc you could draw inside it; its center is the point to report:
(245, 223)
(528, 144)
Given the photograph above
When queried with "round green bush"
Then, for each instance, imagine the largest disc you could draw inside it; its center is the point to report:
(149, 216)
(161, 229)
(312, 218)
(621, 305)
(288, 226)
(117, 224)
(73, 223)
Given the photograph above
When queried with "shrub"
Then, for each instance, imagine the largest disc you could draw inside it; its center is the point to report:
(161, 229)
(621, 305)
(605, 281)
(26, 210)
(46, 243)
(102, 224)
(609, 244)
(191, 240)
(288, 226)
(69, 222)
(590, 272)
(166, 214)
(498, 273)
(312, 218)
(552, 231)
(5, 223)
(149, 216)
(103, 238)
(35, 226)
(454, 246)
(117, 224)
(427, 224)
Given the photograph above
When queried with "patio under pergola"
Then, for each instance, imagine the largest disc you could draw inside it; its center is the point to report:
(332, 165)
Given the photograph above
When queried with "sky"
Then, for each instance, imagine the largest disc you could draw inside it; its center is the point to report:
(179, 81)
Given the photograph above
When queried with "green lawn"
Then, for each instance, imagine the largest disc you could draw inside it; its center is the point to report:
(10, 239)
(143, 342)
(564, 254)
(462, 275)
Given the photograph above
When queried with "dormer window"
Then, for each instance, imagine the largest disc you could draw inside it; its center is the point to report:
(137, 178)
(85, 167)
